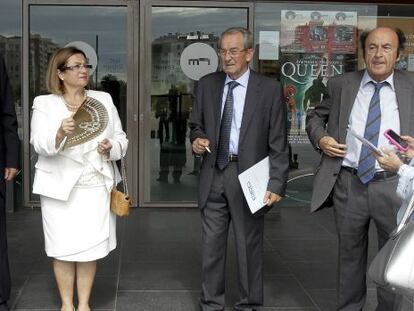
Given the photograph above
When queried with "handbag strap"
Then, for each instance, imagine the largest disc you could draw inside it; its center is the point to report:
(123, 172)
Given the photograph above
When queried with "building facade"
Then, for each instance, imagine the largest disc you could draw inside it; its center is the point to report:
(150, 54)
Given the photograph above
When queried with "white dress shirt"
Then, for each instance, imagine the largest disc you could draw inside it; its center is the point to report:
(239, 97)
(390, 118)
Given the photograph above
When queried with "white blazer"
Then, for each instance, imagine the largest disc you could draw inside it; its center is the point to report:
(58, 169)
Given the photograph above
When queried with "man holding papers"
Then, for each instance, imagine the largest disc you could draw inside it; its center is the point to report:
(365, 103)
(239, 119)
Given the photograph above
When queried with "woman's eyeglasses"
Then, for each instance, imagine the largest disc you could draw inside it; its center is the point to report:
(77, 67)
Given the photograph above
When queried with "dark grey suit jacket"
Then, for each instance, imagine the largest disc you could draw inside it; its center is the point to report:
(263, 130)
(331, 118)
(9, 140)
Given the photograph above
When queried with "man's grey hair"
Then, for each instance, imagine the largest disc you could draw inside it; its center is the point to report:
(247, 36)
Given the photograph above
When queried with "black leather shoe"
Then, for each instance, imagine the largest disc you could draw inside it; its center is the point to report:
(4, 307)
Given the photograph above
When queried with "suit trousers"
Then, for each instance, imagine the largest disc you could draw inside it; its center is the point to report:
(5, 282)
(225, 205)
(355, 205)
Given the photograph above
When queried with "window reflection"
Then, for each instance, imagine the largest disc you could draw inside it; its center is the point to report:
(173, 169)
(10, 49)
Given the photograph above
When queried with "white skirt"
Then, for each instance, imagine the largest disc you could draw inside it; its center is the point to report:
(80, 229)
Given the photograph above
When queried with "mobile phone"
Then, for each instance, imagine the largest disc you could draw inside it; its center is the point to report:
(396, 140)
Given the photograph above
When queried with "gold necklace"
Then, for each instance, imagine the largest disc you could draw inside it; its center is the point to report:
(72, 107)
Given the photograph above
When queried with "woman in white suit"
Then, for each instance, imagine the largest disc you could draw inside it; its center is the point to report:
(74, 174)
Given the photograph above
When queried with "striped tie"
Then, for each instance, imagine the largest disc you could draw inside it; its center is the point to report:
(366, 166)
(225, 128)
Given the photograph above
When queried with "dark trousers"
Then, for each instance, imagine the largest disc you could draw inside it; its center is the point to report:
(5, 282)
(355, 205)
(226, 205)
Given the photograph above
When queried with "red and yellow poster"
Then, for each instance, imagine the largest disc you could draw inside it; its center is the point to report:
(318, 32)
(315, 45)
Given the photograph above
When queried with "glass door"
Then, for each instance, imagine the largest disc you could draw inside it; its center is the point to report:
(181, 48)
(99, 30)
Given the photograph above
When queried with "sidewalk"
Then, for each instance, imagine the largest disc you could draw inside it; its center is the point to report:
(156, 266)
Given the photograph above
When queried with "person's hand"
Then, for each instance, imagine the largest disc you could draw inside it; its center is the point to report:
(331, 148)
(410, 141)
(67, 127)
(200, 145)
(10, 173)
(271, 198)
(389, 161)
(104, 146)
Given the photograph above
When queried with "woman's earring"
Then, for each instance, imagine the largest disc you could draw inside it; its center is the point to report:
(60, 75)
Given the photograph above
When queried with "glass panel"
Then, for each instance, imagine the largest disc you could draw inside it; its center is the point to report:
(104, 29)
(172, 169)
(10, 49)
(302, 46)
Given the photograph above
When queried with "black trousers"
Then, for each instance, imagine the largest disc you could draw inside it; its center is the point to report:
(5, 282)
(355, 205)
(226, 206)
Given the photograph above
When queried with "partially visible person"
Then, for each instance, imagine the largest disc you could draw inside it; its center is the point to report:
(394, 163)
(9, 163)
(74, 175)
(349, 178)
(239, 118)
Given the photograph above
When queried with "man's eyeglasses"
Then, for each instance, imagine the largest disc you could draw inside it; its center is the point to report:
(77, 67)
(231, 52)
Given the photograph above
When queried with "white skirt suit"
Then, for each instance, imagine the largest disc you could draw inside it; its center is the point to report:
(74, 183)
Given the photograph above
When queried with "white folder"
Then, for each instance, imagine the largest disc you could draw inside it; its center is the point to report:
(254, 182)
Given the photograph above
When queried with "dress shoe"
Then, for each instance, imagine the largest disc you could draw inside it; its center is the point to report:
(4, 307)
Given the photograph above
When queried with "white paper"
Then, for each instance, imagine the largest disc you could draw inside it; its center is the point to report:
(269, 45)
(254, 184)
(366, 142)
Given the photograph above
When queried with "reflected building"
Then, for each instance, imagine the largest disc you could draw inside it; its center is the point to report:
(40, 52)
(10, 48)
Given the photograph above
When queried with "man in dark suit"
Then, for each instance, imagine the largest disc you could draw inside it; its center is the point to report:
(368, 102)
(238, 119)
(9, 157)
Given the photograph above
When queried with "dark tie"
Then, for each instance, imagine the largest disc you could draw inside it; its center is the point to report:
(225, 128)
(366, 166)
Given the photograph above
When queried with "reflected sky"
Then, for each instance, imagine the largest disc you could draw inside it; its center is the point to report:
(183, 20)
(107, 25)
(81, 23)
(10, 17)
